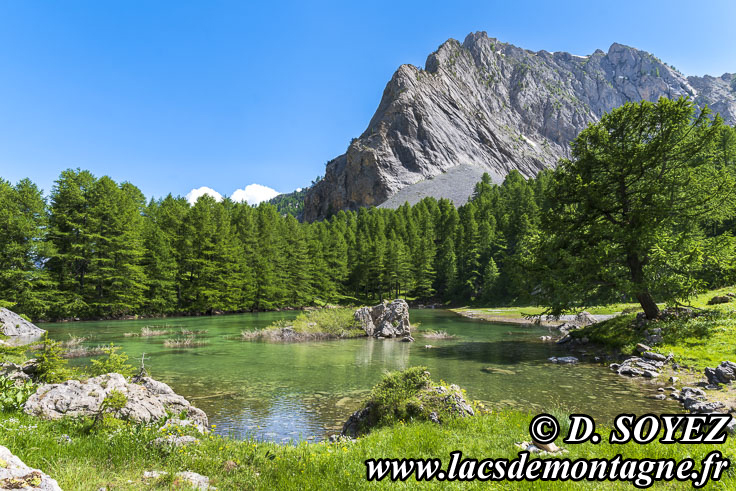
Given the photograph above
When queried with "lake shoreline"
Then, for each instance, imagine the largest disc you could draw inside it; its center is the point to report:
(498, 319)
(174, 315)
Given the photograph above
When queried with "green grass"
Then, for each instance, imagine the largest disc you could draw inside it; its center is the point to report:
(525, 311)
(116, 458)
(705, 340)
(13, 354)
(618, 333)
(332, 323)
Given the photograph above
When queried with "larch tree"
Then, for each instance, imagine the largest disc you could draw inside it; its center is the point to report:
(626, 212)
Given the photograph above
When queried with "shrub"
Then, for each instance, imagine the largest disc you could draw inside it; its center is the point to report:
(52, 366)
(411, 395)
(14, 394)
(114, 362)
(113, 402)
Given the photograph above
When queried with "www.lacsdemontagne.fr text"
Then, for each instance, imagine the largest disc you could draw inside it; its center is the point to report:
(642, 473)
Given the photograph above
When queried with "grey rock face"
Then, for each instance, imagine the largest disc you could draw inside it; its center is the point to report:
(148, 400)
(585, 319)
(650, 355)
(11, 324)
(14, 474)
(695, 406)
(487, 106)
(388, 320)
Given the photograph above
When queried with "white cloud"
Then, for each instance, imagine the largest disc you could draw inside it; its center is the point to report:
(194, 194)
(298, 190)
(254, 194)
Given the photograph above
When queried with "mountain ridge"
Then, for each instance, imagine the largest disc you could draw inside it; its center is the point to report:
(493, 105)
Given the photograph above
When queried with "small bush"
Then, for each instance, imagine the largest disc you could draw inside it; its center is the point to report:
(113, 402)
(397, 387)
(14, 394)
(114, 362)
(52, 366)
(411, 395)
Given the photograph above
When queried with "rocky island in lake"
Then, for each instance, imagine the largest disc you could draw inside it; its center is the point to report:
(382, 321)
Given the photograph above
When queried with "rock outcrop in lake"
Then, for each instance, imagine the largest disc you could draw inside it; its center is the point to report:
(385, 320)
(14, 474)
(13, 325)
(487, 106)
(147, 401)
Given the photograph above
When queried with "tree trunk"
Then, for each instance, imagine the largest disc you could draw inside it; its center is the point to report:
(648, 304)
(636, 267)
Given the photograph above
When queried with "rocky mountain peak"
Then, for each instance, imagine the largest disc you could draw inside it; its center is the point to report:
(487, 106)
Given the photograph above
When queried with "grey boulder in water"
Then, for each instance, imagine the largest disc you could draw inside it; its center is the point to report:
(387, 320)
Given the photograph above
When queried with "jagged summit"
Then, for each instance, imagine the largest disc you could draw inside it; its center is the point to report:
(487, 106)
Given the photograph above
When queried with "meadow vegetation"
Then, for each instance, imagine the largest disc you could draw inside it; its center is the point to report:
(114, 453)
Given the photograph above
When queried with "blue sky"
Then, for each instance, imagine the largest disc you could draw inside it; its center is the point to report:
(174, 95)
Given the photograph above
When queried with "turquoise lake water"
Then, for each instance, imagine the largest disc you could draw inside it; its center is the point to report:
(283, 392)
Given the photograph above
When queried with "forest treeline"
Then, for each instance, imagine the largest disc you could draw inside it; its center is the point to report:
(646, 209)
(97, 248)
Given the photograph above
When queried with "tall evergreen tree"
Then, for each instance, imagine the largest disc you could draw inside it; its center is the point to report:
(24, 285)
(72, 237)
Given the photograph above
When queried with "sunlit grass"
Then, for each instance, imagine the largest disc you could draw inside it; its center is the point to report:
(117, 458)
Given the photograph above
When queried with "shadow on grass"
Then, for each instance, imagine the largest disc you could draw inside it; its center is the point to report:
(701, 327)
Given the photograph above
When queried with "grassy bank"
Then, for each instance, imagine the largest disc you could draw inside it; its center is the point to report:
(117, 458)
(336, 323)
(524, 312)
(705, 340)
(533, 314)
(698, 342)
